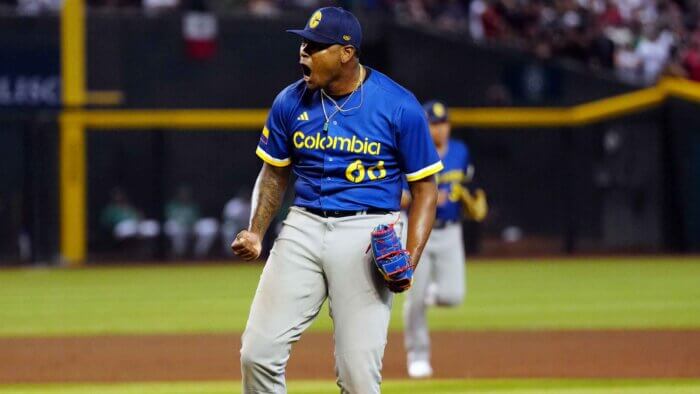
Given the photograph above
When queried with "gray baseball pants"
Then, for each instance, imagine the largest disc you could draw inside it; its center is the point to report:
(442, 263)
(314, 258)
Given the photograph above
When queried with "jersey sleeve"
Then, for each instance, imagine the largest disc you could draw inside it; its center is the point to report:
(273, 148)
(417, 153)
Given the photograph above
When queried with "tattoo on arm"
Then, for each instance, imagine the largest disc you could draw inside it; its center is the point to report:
(267, 197)
(421, 216)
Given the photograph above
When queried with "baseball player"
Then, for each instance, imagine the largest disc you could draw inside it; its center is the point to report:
(349, 134)
(440, 277)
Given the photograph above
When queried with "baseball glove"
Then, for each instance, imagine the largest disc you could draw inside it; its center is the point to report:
(475, 205)
(392, 261)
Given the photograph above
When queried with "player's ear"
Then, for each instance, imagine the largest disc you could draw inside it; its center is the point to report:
(347, 53)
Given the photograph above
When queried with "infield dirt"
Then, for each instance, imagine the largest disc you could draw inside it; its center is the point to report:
(502, 354)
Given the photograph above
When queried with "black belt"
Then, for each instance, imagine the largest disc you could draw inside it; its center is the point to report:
(340, 214)
(440, 224)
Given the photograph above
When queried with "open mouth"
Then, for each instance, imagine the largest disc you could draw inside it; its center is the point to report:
(307, 72)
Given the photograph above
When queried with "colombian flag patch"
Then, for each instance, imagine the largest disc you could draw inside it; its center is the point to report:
(265, 135)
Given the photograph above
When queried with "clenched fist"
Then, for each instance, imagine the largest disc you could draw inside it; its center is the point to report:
(247, 245)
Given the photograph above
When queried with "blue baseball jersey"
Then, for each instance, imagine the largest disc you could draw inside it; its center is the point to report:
(358, 161)
(456, 163)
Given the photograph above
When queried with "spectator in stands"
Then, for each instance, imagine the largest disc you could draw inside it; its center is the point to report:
(452, 16)
(160, 5)
(414, 11)
(113, 3)
(184, 224)
(477, 8)
(603, 34)
(493, 22)
(37, 7)
(124, 221)
(610, 15)
(653, 50)
(264, 8)
(691, 58)
(628, 64)
(235, 217)
(601, 48)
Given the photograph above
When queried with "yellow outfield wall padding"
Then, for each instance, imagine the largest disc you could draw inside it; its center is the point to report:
(235, 119)
(681, 88)
(508, 117)
(104, 97)
(558, 117)
(73, 53)
(72, 196)
(616, 106)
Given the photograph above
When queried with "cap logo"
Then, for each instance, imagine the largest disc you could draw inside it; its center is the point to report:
(315, 19)
(439, 110)
(346, 37)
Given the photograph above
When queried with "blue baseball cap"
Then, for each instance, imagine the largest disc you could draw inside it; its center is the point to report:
(332, 25)
(436, 111)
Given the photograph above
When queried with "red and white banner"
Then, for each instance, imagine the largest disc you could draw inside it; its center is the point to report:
(200, 31)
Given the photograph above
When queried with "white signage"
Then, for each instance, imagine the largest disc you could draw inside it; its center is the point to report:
(29, 90)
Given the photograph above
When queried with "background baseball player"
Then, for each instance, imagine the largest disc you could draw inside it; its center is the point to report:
(439, 280)
(350, 134)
